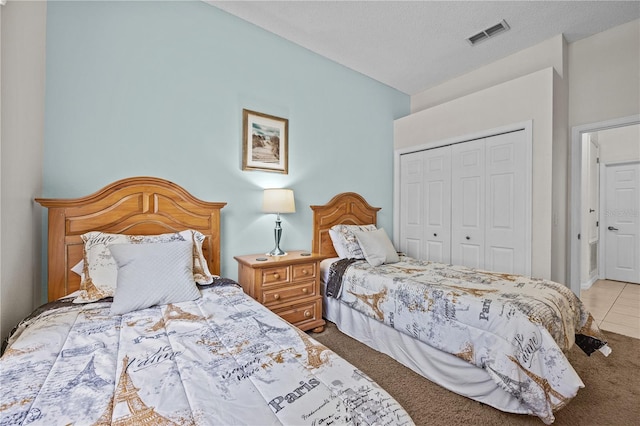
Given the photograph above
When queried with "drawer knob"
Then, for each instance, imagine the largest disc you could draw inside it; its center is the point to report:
(305, 290)
(276, 296)
(276, 276)
(305, 272)
(307, 314)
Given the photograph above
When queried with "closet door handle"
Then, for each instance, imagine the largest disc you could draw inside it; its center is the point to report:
(611, 228)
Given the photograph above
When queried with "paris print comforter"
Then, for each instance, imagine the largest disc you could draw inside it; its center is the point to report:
(516, 328)
(221, 359)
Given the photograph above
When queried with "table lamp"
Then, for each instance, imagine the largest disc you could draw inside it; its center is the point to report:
(278, 200)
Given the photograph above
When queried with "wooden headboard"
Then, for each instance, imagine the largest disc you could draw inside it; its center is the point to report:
(346, 208)
(134, 206)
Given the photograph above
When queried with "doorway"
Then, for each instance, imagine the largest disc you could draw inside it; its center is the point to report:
(577, 218)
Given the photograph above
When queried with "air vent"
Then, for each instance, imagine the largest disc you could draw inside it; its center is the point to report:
(494, 30)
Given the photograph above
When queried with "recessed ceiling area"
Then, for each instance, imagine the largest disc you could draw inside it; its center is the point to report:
(415, 45)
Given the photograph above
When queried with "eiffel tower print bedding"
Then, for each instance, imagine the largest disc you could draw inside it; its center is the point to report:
(516, 328)
(220, 359)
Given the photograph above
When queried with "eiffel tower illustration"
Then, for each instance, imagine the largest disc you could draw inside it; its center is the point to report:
(87, 376)
(173, 313)
(314, 351)
(93, 292)
(543, 383)
(140, 413)
(515, 387)
(266, 328)
(373, 301)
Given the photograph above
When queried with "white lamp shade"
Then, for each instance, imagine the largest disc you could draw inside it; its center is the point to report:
(278, 200)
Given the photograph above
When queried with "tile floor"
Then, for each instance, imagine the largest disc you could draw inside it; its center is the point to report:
(615, 305)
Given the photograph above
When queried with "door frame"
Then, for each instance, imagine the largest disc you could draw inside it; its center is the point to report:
(575, 215)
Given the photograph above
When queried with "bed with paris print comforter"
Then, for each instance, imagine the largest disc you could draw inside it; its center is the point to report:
(515, 328)
(220, 359)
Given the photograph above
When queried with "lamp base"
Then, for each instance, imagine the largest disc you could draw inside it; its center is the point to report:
(277, 233)
(276, 252)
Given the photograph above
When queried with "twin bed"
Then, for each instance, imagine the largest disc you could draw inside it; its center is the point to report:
(158, 353)
(499, 339)
(166, 355)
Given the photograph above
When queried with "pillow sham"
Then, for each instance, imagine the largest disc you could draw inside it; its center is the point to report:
(377, 247)
(152, 274)
(201, 273)
(99, 273)
(348, 240)
(338, 245)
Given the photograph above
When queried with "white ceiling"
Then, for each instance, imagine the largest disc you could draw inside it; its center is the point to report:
(414, 45)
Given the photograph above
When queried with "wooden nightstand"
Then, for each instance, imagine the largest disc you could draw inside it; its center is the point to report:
(288, 285)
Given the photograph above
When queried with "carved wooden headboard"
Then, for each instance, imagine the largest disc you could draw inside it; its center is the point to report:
(134, 206)
(346, 208)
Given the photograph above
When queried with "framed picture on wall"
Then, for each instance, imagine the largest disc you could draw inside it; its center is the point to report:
(265, 140)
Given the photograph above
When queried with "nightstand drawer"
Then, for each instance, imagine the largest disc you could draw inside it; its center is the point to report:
(276, 275)
(302, 271)
(302, 313)
(286, 294)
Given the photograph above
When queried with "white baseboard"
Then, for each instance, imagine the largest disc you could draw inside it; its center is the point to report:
(588, 284)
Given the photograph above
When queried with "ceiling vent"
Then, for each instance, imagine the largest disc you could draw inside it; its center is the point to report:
(500, 27)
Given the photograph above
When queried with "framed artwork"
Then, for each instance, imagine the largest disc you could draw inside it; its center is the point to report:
(265, 141)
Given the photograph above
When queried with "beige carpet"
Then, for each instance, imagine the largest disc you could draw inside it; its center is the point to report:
(611, 395)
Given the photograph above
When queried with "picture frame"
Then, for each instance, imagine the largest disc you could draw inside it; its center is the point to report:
(265, 142)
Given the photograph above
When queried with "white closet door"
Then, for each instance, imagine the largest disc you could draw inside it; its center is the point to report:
(468, 203)
(506, 203)
(411, 204)
(437, 187)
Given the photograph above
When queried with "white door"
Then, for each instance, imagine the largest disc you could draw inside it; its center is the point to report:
(437, 187)
(506, 204)
(468, 203)
(411, 204)
(621, 221)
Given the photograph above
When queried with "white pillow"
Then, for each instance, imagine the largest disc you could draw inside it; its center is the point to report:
(347, 238)
(152, 274)
(99, 275)
(77, 268)
(377, 247)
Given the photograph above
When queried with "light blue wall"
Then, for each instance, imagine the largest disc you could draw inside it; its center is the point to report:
(158, 88)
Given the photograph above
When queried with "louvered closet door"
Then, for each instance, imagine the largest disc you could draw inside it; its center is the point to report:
(437, 197)
(411, 204)
(505, 220)
(468, 203)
